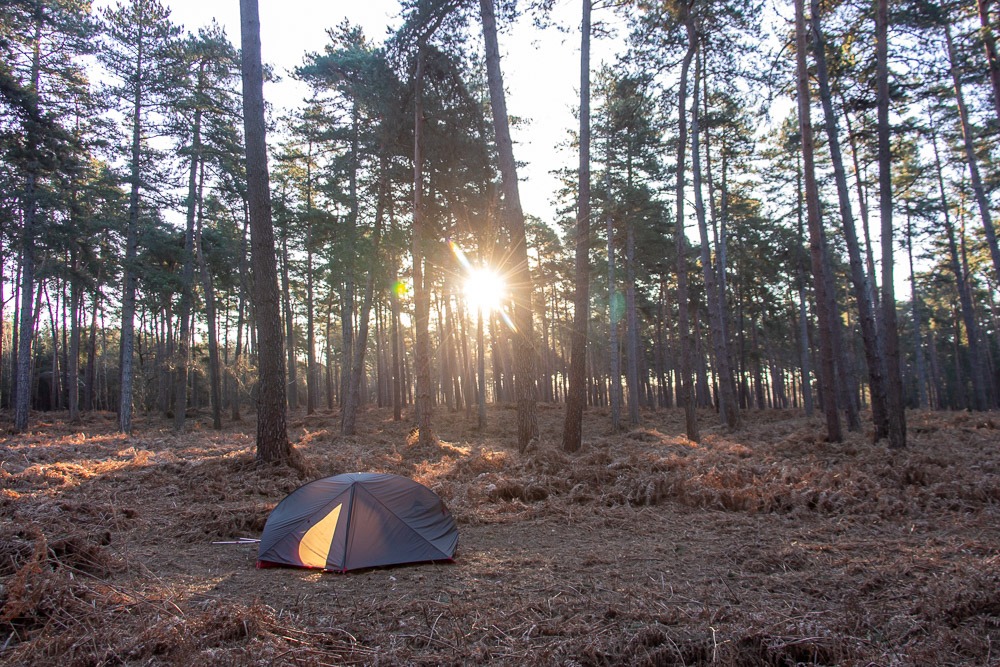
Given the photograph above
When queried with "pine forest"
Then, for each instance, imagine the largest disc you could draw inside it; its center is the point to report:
(728, 397)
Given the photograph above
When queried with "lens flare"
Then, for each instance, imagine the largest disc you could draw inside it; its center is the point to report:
(484, 290)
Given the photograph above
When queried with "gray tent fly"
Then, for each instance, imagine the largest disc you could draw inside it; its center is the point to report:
(358, 520)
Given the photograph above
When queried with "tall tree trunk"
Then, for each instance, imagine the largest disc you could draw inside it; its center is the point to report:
(525, 363)
(480, 371)
(894, 381)
(825, 317)
(73, 356)
(862, 195)
(187, 277)
(127, 332)
(720, 225)
(22, 390)
(421, 292)
(614, 311)
(686, 386)
(918, 337)
(978, 188)
(286, 302)
(576, 396)
(312, 381)
(25, 334)
(330, 390)
(631, 313)
(804, 347)
(859, 278)
(347, 298)
(723, 370)
(240, 315)
(350, 411)
(214, 366)
(272, 434)
(90, 374)
(632, 336)
(979, 368)
(397, 370)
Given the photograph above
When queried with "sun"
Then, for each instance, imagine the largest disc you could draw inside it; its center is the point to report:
(484, 290)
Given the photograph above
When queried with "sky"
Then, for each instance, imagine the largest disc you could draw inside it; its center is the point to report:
(541, 70)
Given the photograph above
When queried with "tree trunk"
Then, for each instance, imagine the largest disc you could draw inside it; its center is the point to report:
(894, 380)
(330, 390)
(272, 435)
(351, 405)
(862, 195)
(961, 280)
(859, 278)
(240, 315)
(686, 387)
(25, 334)
(576, 396)
(397, 371)
(525, 364)
(978, 188)
(312, 379)
(286, 301)
(632, 336)
(804, 347)
(421, 295)
(187, 277)
(918, 342)
(347, 298)
(22, 390)
(825, 317)
(127, 333)
(73, 356)
(214, 366)
(614, 311)
(723, 370)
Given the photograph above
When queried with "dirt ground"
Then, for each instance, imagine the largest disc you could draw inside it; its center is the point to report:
(763, 547)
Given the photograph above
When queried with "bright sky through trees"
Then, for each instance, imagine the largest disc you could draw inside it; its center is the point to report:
(541, 69)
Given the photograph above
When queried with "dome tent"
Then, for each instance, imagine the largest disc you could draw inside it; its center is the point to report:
(358, 520)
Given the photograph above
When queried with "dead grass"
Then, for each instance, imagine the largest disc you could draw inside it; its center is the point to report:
(763, 547)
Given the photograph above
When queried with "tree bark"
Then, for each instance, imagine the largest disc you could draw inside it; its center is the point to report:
(353, 402)
(421, 295)
(894, 381)
(825, 317)
(73, 356)
(859, 278)
(181, 358)
(978, 188)
(961, 280)
(289, 318)
(727, 390)
(632, 336)
(576, 395)
(686, 386)
(272, 435)
(214, 366)
(804, 347)
(240, 315)
(918, 337)
(127, 332)
(613, 311)
(525, 363)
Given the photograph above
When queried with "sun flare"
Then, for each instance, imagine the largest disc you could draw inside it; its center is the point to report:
(484, 290)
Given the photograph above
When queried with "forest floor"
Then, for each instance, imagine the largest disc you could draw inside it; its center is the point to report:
(763, 547)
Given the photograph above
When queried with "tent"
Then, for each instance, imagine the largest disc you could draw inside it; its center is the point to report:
(358, 520)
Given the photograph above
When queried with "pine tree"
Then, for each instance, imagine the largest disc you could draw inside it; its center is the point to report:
(140, 53)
